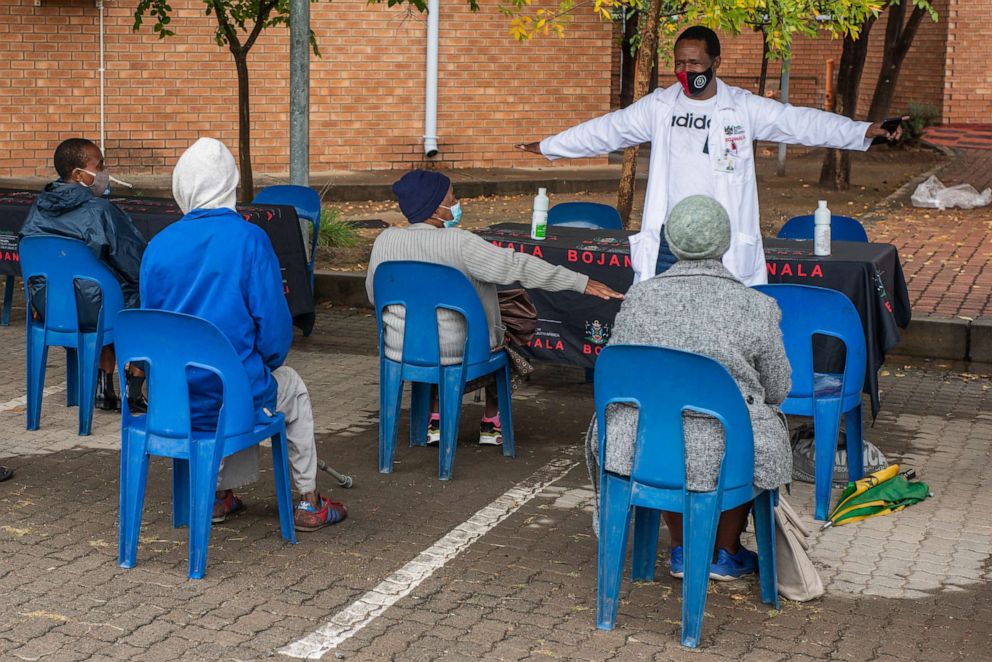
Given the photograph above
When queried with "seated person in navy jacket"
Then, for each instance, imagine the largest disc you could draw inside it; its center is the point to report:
(72, 207)
(216, 266)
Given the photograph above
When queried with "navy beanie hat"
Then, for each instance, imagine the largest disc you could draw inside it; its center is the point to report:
(420, 192)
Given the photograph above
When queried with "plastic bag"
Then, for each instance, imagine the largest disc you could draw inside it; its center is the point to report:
(933, 194)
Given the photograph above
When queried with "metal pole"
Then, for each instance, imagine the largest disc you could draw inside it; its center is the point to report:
(299, 92)
(430, 83)
(784, 89)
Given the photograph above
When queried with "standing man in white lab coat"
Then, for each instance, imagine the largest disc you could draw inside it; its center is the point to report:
(701, 132)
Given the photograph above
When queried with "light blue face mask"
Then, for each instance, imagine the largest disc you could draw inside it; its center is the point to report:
(456, 215)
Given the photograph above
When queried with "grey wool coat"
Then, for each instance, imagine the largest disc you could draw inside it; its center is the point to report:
(699, 306)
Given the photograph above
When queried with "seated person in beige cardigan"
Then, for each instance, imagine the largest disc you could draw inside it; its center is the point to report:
(428, 201)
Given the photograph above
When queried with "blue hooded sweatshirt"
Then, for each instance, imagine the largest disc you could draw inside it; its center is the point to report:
(215, 265)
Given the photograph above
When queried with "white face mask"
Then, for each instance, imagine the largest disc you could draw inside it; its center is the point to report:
(101, 181)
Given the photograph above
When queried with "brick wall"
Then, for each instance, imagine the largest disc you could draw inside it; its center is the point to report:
(968, 84)
(366, 95)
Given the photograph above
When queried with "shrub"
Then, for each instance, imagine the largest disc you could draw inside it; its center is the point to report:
(334, 233)
(921, 116)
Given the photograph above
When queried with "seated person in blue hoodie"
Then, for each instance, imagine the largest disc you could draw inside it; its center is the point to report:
(216, 266)
(72, 207)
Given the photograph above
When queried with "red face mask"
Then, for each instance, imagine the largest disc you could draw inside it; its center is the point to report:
(694, 82)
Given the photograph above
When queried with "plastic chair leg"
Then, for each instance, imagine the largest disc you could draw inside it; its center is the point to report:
(855, 444)
(284, 498)
(204, 465)
(700, 517)
(8, 301)
(764, 531)
(88, 357)
(180, 493)
(505, 396)
(647, 526)
(450, 392)
(134, 476)
(826, 425)
(71, 377)
(420, 412)
(614, 525)
(37, 360)
(390, 398)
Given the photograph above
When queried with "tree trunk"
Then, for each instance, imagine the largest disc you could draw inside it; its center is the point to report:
(244, 126)
(642, 79)
(763, 77)
(835, 173)
(899, 34)
(627, 62)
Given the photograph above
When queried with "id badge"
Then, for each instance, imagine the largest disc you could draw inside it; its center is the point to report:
(726, 163)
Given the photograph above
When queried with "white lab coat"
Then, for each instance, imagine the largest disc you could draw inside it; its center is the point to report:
(741, 117)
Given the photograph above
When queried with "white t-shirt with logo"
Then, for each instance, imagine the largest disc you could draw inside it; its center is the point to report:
(689, 168)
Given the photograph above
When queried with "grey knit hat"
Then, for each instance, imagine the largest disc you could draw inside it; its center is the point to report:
(698, 229)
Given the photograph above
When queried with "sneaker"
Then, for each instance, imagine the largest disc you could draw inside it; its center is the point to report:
(227, 505)
(729, 567)
(434, 430)
(308, 518)
(490, 432)
(676, 564)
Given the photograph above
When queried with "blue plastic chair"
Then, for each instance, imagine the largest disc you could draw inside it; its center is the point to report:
(8, 301)
(307, 204)
(663, 383)
(169, 344)
(585, 215)
(61, 262)
(809, 311)
(842, 228)
(422, 289)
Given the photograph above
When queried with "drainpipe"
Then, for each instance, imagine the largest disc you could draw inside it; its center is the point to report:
(99, 4)
(430, 92)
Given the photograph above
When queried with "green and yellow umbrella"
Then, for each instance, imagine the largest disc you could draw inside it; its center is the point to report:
(883, 492)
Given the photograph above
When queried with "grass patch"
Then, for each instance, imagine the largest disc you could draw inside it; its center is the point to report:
(333, 232)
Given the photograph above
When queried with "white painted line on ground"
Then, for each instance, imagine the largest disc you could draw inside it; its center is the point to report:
(22, 401)
(350, 620)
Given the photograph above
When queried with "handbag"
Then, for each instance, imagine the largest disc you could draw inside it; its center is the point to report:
(798, 579)
(519, 315)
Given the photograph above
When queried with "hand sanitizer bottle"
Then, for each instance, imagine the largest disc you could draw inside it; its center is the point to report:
(539, 219)
(821, 229)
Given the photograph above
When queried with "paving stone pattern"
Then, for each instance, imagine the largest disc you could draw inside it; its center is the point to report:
(915, 585)
(946, 255)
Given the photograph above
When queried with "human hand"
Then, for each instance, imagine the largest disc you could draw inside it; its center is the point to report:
(596, 289)
(876, 131)
(533, 148)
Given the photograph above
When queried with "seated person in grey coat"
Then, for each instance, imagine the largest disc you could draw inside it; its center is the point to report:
(428, 201)
(699, 306)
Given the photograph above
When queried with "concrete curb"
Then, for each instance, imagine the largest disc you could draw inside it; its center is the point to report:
(928, 336)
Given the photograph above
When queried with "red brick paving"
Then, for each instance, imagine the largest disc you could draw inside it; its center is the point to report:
(946, 255)
(963, 136)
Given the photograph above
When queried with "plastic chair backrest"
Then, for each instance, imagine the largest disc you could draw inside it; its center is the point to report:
(590, 214)
(170, 343)
(422, 288)
(809, 311)
(305, 200)
(61, 262)
(663, 383)
(842, 228)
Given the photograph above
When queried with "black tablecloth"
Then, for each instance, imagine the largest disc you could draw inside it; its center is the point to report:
(151, 215)
(572, 328)
(871, 277)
